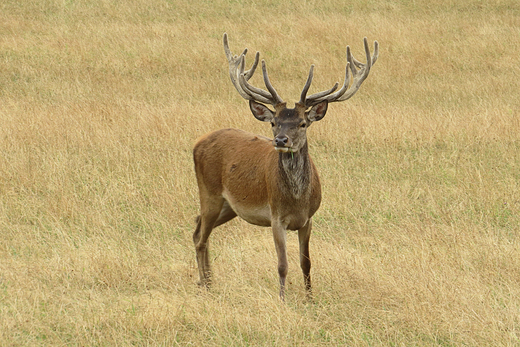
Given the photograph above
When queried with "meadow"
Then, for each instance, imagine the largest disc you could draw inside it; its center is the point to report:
(417, 239)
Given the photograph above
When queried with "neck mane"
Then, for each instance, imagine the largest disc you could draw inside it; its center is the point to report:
(295, 171)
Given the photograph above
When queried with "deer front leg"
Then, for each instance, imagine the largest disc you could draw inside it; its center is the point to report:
(304, 235)
(279, 234)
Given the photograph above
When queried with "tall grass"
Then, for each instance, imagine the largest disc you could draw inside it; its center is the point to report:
(416, 241)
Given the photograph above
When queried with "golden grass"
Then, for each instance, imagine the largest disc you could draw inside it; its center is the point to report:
(416, 242)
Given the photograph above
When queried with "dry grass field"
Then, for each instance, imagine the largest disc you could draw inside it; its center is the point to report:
(417, 239)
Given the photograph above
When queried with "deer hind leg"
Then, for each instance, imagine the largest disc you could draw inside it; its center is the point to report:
(210, 212)
(304, 235)
(226, 214)
(280, 235)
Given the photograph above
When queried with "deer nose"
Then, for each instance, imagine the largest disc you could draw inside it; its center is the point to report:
(281, 141)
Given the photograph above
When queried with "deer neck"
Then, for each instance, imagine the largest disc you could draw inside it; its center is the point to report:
(295, 172)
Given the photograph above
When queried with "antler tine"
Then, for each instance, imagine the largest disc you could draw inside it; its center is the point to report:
(304, 100)
(255, 93)
(359, 71)
(249, 73)
(376, 52)
(236, 67)
(321, 96)
(307, 86)
(240, 79)
(367, 53)
(364, 69)
(275, 97)
(261, 95)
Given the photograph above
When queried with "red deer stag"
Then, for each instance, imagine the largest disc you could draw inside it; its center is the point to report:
(266, 182)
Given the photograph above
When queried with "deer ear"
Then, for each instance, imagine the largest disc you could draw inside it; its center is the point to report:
(261, 112)
(318, 111)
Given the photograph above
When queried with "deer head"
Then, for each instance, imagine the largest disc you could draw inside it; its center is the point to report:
(290, 125)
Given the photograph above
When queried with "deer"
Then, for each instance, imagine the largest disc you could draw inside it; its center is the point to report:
(267, 182)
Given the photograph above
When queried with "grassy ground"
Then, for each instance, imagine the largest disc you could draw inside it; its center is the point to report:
(416, 242)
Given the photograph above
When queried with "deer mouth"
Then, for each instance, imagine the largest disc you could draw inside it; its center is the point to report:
(283, 149)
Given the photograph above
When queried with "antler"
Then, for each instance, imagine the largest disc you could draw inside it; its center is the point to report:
(345, 92)
(240, 78)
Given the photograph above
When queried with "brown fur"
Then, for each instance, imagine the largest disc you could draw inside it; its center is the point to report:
(239, 173)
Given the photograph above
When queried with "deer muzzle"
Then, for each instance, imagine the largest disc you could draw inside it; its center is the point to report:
(282, 143)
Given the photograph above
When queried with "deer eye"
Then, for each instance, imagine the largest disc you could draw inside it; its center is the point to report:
(272, 124)
(303, 125)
